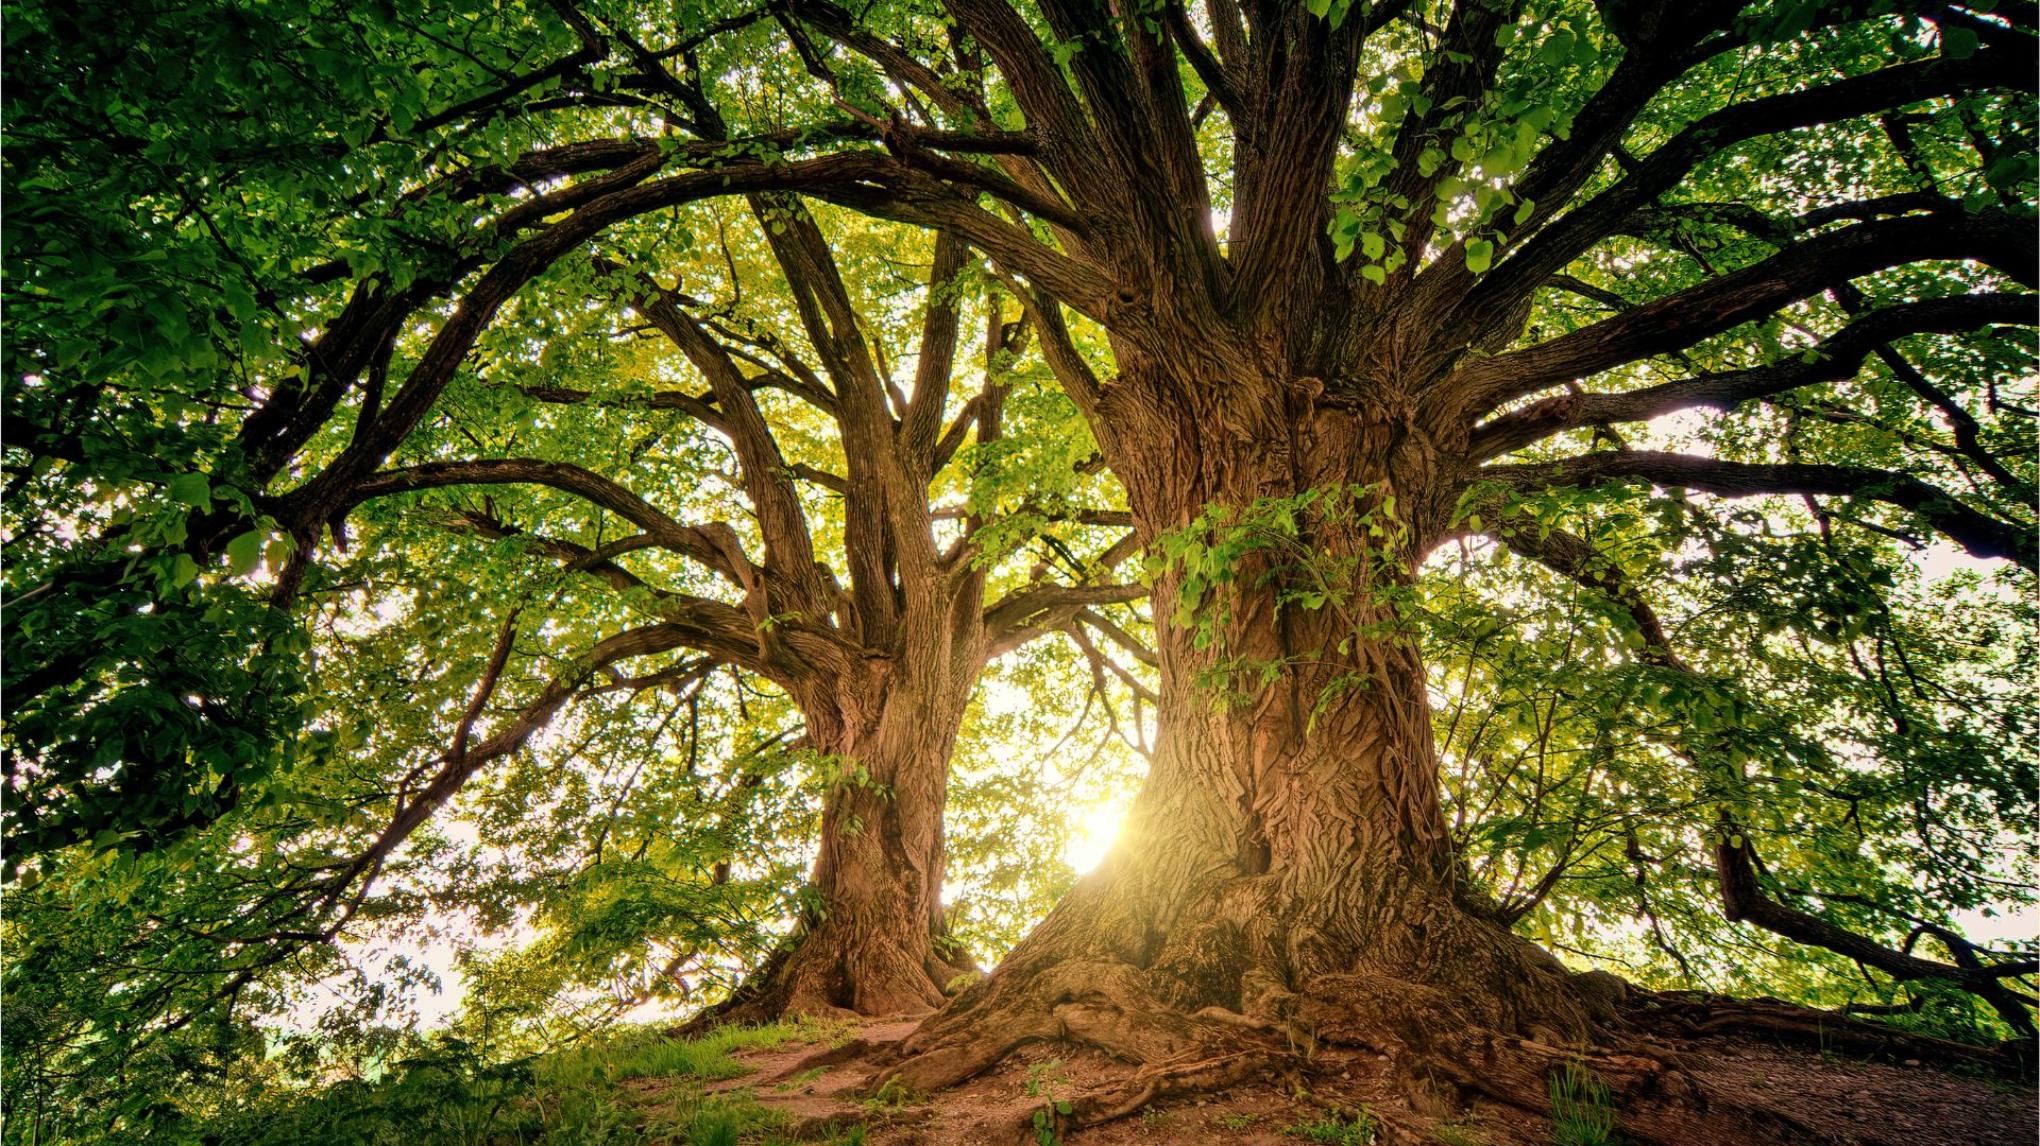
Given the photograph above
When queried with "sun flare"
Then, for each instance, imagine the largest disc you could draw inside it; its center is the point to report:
(1094, 828)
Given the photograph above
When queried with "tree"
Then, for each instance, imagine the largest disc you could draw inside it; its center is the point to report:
(880, 670)
(1293, 865)
(1333, 251)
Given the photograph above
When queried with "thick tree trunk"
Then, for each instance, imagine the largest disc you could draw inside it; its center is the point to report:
(867, 945)
(1285, 876)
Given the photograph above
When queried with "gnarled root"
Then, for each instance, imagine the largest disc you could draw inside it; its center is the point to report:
(1098, 1004)
(1445, 1048)
(1695, 1013)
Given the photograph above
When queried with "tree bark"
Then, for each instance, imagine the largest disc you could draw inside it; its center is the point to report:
(1286, 870)
(867, 944)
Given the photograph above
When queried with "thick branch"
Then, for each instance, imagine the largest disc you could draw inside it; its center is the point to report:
(1837, 358)
(1680, 320)
(1981, 535)
(1026, 613)
(720, 630)
(789, 546)
(714, 545)
(1569, 236)
(1743, 900)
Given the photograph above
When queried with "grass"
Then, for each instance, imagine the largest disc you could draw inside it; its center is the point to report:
(1582, 1111)
(646, 1052)
(572, 1097)
(801, 1079)
(890, 1095)
(1332, 1130)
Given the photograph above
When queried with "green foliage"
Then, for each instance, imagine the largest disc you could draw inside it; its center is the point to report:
(1582, 1113)
(1285, 542)
(649, 1053)
(1047, 1120)
(448, 1091)
(891, 1095)
(1807, 656)
(226, 683)
(1334, 1130)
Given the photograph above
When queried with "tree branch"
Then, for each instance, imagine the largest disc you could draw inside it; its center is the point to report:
(1679, 320)
(1980, 534)
(1743, 900)
(1570, 235)
(1836, 358)
(1026, 613)
(714, 545)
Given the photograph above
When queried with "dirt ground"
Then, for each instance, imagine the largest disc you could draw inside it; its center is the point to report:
(1803, 1096)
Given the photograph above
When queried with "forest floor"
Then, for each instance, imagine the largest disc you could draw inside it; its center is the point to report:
(811, 1092)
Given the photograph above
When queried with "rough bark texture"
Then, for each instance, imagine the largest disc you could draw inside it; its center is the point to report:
(883, 690)
(1285, 876)
(869, 944)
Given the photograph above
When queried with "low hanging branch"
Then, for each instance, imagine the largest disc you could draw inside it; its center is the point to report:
(1743, 900)
(1736, 863)
(319, 904)
(1978, 532)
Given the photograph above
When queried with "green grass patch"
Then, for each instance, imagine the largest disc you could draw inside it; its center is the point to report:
(1333, 1130)
(570, 1097)
(1582, 1110)
(646, 1052)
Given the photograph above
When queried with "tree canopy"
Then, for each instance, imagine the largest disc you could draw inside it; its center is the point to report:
(656, 488)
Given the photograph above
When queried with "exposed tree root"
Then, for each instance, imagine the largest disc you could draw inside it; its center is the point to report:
(1168, 1080)
(1693, 1013)
(1438, 1051)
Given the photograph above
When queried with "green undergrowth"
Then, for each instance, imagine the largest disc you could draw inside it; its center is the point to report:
(1336, 1131)
(631, 1087)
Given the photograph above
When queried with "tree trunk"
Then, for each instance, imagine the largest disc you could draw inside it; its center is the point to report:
(1286, 870)
(867, 942)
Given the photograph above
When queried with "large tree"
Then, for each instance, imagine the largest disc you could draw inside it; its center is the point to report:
(1335, 252)
(1355, 356)
(873, 505)
(881, 668)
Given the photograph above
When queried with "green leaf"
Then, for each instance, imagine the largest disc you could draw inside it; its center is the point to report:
(244, 552)
(1480, 254)
(1556, 50)
(277, 551)
(192, 490)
